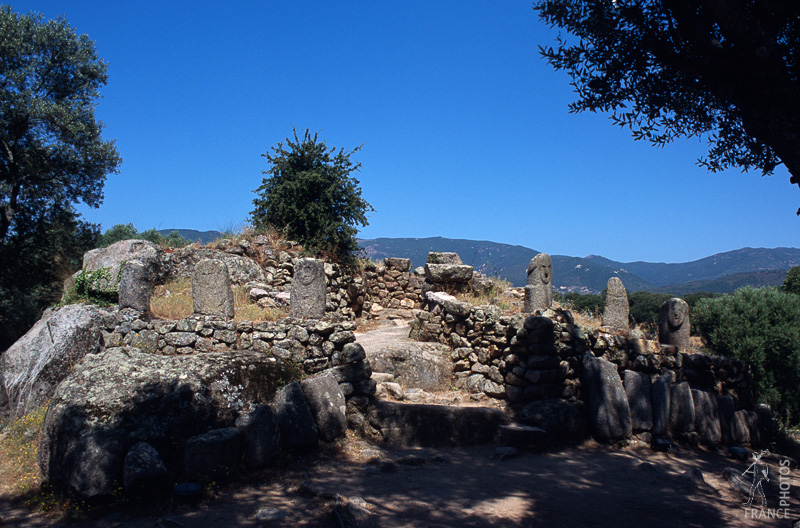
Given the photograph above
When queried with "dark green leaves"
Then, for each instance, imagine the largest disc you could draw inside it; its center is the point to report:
(310, 195)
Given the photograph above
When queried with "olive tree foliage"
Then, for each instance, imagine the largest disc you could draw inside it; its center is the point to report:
(310, 195)
(762, 327)
(52, 156)
(726, 70)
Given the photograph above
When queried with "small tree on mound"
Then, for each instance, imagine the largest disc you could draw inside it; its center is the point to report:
(310, 196)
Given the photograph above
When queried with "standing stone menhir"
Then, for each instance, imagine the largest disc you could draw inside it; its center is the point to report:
(307, 300)
(539, 290)
(673, 323)
(211, 289)
(617, 310)
(134, 287)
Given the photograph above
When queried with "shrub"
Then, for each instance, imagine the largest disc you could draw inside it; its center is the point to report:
(791, 284)
(310, 196)
(94, 287)
(645, 306)
(761, 327)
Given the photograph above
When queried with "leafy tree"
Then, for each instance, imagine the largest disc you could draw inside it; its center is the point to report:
(310, 195)
(791, 283)
(762, 327)
(645, 305)
(51, 157)
(118, 232)
(127, 231)
(723, 70)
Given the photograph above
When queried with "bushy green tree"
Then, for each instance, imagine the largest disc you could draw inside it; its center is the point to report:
(791, 284)
(725, 71)
(587, 303)
(310, 195)
(127, 232)
(762, 327)
(51, 157)
(645, 305)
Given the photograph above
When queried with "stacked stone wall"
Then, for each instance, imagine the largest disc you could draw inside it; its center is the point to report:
(314, 345)
(392, 284)
(523, 357)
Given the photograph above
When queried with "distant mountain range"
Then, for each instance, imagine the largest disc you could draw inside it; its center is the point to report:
(720, 273)
(193, 236)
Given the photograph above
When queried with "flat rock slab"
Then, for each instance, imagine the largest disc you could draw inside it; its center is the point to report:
(413, 364)
(403, 424)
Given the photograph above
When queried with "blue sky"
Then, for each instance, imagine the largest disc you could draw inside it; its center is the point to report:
(465, 129)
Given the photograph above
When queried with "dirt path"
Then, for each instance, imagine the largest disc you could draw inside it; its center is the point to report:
(582, 486)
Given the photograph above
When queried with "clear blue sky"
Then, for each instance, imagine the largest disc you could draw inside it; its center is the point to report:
(465, 128)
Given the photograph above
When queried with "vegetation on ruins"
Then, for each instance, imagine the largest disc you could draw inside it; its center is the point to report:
(310, 195)
(762, 327)
(127, 231)
(725, 71)
(52, 156)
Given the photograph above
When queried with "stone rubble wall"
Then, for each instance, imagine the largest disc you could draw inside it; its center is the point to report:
(392, 284)
(314, 345)
(522, 358)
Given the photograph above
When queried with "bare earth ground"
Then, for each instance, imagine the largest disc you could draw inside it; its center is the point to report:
(583, 486)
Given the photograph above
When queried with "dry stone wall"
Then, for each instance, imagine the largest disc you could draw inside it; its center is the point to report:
(314, 345)
(392, 284)
(533, 358)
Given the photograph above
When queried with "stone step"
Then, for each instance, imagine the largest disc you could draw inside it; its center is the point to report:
(408, 424)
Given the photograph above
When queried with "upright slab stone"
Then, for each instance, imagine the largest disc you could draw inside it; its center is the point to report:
(673, 323)
(134, 286)
(327, 404)
(661, 404)
(638, 389)
(211, 289)
(727, 419)
(706, 417)
(442, 257)
(617, 310)
(681, 409)
(308, 289)
(539, 288)
(609, 413)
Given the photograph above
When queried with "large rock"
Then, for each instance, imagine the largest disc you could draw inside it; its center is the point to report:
(639, 392)
(118, 253)
(418, 365)
(443, 257)
(439, 273)
(673, 323)
(327, 404)
(727, 419)
(32, 368)
(143, 471)
(211, 289)
(308, 289)
(295, 419)
(122, 396)
(435, 425)
(134, 287)
(213, 455)
(241, 270)
(617, 310)
(561, 419)
(609, 413)
(661, 392)
(681, 409)
(261, 436)
(706, 417)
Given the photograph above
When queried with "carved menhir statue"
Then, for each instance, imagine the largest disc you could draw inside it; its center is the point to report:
(673, 323)
(617, 311)
(308, 289)
(539, 291)
(134, 286)
(211, 289)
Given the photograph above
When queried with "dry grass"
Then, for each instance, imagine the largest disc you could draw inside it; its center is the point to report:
(174, 301)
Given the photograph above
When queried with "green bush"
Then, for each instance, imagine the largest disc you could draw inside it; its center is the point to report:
(128, 231)
(791, 284)
(761, 327)
(94, 287)
(645, 306)
(590, 304)
(310, 196)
